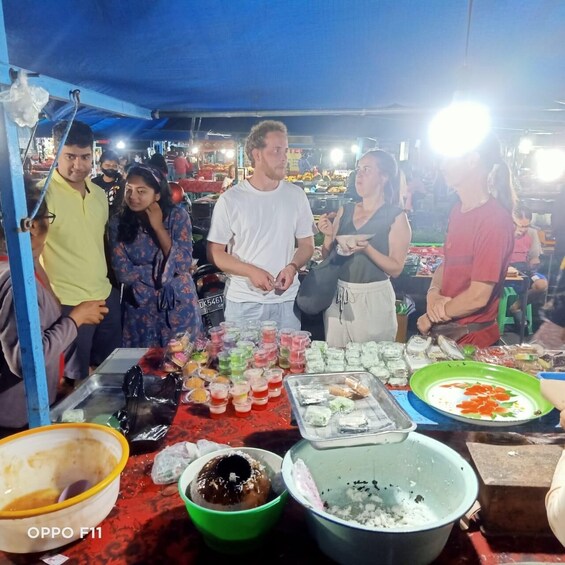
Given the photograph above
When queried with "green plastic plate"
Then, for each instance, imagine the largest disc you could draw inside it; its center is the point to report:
(480, 393)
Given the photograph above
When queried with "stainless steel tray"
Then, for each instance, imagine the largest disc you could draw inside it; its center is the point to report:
(388, 422)
(99, 395)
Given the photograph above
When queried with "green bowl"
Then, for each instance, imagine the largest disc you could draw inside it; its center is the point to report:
(239, 531)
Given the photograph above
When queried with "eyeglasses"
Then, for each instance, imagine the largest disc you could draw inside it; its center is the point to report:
(155, 173)
(50, 217)
(522, 225)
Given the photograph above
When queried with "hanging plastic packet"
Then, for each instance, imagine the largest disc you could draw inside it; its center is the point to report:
(23, 102)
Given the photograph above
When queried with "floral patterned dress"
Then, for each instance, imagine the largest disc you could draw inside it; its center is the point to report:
(159, 298)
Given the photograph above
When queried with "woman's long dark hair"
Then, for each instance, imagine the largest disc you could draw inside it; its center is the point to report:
(388, 166)
(130, 222)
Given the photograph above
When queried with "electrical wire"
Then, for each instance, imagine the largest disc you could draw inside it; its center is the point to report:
(76, 96)
(467, 39)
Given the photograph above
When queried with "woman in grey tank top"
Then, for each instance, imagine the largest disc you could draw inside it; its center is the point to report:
(364, 305)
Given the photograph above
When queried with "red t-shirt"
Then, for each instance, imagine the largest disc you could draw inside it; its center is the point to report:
(521, 248)
(182, 166)
(478, 247)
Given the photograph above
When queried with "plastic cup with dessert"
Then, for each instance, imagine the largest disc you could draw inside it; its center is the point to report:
(193, 381)
(243, 409)
(259, 387)
(300, 339)
(259, 403)
(285, 337)
(240, 392)
(218, 410)
(253, 373)
(297, 368)
(219, 392)
(207, 374)
(196, 396)
(216, 335)
(297, 356)
(190, 369)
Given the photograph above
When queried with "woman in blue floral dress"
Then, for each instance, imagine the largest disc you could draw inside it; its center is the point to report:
(151, 243)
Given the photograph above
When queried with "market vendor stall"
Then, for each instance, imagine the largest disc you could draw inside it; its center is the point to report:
(149, 522)
(194, 186)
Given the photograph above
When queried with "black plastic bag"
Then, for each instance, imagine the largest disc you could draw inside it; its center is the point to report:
(318, 288)
(151, 405)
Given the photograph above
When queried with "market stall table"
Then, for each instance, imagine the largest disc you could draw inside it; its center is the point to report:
(149, 523)
(193, 186)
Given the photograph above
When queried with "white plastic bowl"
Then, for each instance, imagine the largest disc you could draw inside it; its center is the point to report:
(418, 464)
(53, 457)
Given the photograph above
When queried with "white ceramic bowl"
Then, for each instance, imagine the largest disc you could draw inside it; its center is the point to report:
(53, 457)
(419, 464)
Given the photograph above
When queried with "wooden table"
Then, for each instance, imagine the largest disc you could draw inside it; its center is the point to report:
(149, 524)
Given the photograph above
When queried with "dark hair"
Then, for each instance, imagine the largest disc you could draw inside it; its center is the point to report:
(32, 196)
(500, 178)
(130, 222)
(256, 137)
(159, 162)
(108, 155)
(523, 212)
(80, 134)
(387, 165)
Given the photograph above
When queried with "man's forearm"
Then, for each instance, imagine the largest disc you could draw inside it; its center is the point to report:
(229, 264)
(465, 304)
(303, 254)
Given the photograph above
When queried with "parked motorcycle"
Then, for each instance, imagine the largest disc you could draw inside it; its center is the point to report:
(210, 283)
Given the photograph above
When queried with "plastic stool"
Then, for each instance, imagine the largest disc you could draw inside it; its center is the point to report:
(509, 296)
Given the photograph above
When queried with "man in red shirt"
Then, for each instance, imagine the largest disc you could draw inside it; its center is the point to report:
(182, 166)
(462, 301)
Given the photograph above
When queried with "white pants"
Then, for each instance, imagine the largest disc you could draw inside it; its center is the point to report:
(361, 312)
(284, 313)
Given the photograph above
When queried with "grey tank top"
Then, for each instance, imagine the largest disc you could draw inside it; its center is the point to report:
(359, 268)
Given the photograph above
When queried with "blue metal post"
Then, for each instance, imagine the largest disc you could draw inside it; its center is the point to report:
(14, 208)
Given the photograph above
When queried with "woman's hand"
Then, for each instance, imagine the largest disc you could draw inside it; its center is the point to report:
(89, 312)
(325, 225)
(155, 216)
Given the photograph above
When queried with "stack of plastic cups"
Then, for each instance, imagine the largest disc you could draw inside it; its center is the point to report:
(300, 341)
(285, 343)
(261, 358)
(240, 398)
(252, 331)
(219, 393)
(238, 364)
(274, 379)
(216, 342)
(247, 347)
(272, 353)
(268, 332)
(224, 363)
(259, 393)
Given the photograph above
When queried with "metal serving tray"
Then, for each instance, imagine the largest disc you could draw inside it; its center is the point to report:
(99, 395)
(388, 422)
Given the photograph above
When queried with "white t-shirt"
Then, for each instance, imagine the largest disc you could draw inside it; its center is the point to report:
(260, 228)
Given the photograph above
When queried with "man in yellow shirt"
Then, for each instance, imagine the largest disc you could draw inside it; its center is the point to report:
(74, 256)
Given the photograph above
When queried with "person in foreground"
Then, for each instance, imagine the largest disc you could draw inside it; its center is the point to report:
(462, 301)
(364, 305)
(58, 332)
(269, 227)
(151, 252)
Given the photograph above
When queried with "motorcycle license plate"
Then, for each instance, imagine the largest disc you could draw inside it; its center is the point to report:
(211, 303)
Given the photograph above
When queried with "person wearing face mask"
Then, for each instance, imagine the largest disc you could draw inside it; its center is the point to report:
(151, 254)
(111, 180)
(58, 331)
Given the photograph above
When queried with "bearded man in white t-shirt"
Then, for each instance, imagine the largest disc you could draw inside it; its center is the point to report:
(262, 234)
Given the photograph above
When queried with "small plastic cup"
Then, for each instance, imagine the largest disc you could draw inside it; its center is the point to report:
(274, 378)
(225, 325)
(284, 362)
(300, 340)
(261, 358)
(296, 368)
(259, 403)
(297, 356)
(243, 409)
(259, 387)
(253, 373)
(216, 335)
(240, 392)
(275, 392)
(218, 410)
(196, 396)
(269, 332)
(285, 337)
(224, 362)
(219, 392)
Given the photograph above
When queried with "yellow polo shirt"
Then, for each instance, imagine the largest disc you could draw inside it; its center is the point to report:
(74, 256)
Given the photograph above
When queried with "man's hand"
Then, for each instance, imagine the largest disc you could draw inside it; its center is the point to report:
(424, 324)
(262, 279)
(436, 308)
(285, 278)
(89, 312)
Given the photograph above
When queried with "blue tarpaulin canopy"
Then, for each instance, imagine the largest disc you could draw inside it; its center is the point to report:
(220, 57)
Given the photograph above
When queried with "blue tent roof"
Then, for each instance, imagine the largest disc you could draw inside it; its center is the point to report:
(222, 56)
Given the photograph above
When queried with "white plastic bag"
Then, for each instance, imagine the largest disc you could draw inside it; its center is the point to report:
(23, 103)
(170, 463)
